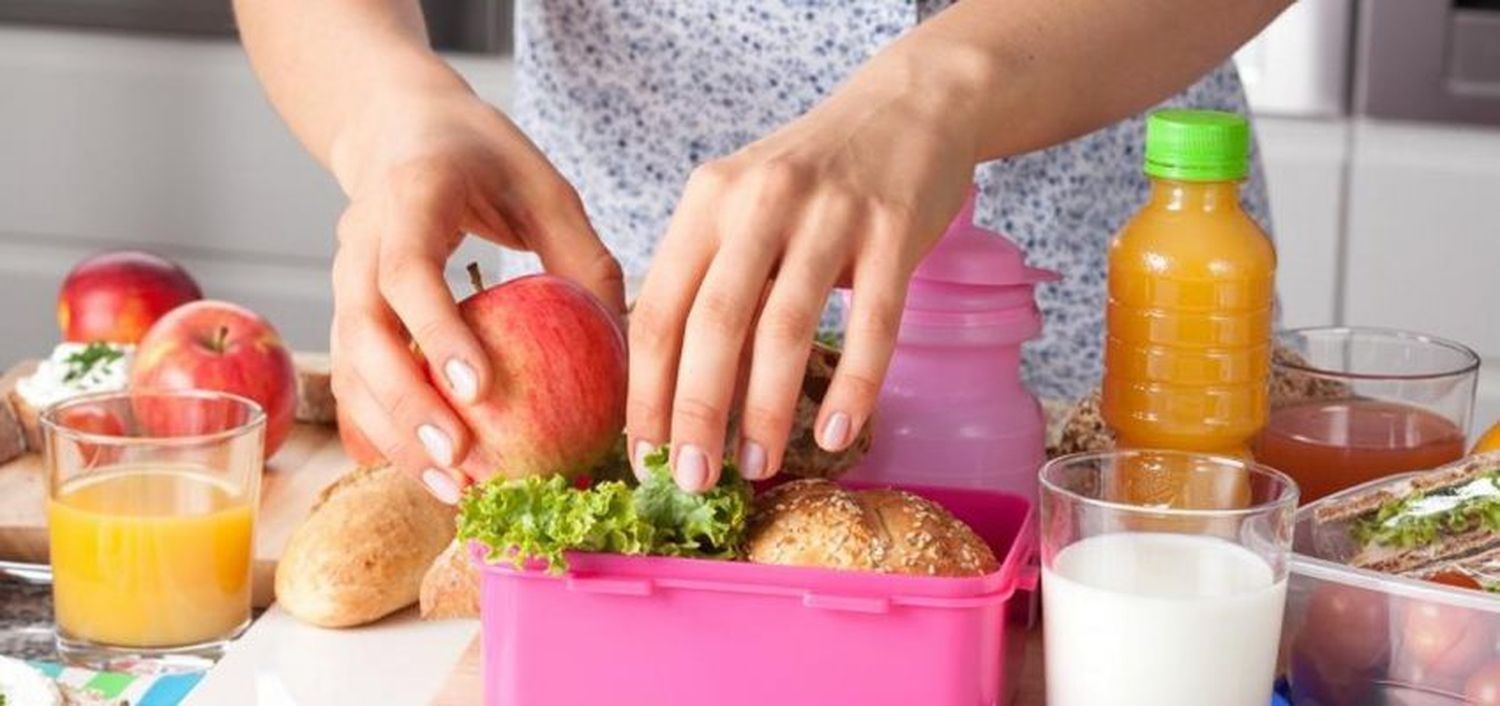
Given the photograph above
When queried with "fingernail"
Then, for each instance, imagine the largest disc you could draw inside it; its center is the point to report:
(691, 469)
(752, 458)
(441, 486)
(638, 458)
(439, 446)
(836, 431)
(461, 380)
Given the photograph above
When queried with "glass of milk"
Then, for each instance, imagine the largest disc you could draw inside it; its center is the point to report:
(1163, 578)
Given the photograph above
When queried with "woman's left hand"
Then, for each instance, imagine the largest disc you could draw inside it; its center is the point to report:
(854, 193)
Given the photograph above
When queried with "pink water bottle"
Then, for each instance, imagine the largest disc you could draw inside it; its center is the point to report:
(953, 411)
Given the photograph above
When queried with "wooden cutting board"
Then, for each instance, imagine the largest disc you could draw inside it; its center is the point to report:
(310, 459)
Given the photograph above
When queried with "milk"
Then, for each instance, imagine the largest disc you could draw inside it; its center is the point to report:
(1156, 619)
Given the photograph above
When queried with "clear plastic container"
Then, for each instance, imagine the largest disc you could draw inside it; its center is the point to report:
(663, 631)
(1361, 638)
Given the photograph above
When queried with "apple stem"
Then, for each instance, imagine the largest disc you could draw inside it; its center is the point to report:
(475, 278)
(221, 339)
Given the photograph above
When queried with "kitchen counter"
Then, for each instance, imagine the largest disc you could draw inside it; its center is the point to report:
(282, 662)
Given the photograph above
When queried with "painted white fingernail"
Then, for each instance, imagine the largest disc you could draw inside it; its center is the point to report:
(752, 458)
(836, 431)
(638, 458)
(461, 380)
(441, 486)
(439, 446)
(691, 469)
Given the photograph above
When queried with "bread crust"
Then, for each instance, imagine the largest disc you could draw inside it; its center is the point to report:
(803, 457)
(450, 588)
(362, 552)
(315, 402)
(815, 522)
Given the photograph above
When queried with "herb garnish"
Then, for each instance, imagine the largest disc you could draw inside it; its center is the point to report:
(80, 363)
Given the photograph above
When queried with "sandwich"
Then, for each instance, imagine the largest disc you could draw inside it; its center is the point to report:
(1441, 521)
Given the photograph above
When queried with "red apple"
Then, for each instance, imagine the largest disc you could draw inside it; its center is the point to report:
(117, 296)
(214, 345)
(557, 400)
(356, 445)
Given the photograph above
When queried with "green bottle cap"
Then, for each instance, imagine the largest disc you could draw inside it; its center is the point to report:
(1197, 145)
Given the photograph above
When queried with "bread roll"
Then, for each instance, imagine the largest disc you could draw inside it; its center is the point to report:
(450, 588)
(12, 432)
(817, 523)
(362, 552)
(315, 403)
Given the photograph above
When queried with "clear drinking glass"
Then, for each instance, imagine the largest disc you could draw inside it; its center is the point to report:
(1364, 403)
(151, 515)
(1167, 604)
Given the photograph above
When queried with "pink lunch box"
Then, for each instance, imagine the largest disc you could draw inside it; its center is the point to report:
(655, 631)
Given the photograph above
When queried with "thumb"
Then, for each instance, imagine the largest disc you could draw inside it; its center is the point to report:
(568, 247)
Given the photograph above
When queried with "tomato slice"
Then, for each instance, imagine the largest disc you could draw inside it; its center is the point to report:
(1457, 579)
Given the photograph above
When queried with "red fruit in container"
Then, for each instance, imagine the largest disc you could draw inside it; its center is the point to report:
(117, 296)
(1346, 628)
(1440, 644)
(214, 345)
(556, 403)
(1483, 686)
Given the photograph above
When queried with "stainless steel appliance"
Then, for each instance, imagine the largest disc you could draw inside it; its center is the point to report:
(1434, 60)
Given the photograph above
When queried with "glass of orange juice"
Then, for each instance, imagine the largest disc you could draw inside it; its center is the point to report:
(151, 514)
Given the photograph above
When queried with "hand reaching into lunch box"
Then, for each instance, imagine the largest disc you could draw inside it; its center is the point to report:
(852, 194)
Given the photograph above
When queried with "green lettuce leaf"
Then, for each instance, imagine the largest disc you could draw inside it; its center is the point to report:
(543, 517)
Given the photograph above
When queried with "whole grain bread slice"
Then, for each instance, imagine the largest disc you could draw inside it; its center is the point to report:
(1400, 560)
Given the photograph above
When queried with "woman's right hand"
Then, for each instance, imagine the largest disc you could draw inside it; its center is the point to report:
(422, 168)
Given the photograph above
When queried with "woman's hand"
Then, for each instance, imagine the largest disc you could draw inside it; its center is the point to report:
(854, 193)
(422, 169)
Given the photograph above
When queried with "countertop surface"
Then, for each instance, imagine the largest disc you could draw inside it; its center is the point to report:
(282, 662)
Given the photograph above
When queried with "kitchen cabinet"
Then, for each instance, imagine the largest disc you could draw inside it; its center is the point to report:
(165, 143)
(1305, 161)
(1423, 238)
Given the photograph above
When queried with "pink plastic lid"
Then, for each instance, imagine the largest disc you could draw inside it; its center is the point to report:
(969, 254)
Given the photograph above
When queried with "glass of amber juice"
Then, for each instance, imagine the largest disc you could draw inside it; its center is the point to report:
(151, 514)
(1362, 403)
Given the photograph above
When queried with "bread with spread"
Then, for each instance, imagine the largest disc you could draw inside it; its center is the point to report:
(1444, 519)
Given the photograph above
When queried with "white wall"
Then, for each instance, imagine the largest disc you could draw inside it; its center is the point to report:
(111, 141)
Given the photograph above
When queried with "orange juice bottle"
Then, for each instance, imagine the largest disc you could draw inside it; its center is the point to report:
(1191, 286)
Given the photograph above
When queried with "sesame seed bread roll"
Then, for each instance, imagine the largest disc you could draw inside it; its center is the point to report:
(817, 523)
